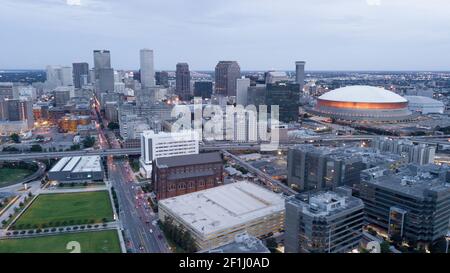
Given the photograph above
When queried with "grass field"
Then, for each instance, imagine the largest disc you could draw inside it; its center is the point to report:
(66, 209)
(11, 176)
(90, 242)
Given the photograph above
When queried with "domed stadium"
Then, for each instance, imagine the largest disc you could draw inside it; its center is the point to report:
(363, 103)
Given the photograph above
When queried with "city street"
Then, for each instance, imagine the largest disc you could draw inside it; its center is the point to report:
(137, 217)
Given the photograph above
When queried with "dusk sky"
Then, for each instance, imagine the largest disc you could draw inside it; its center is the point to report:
(259, 34)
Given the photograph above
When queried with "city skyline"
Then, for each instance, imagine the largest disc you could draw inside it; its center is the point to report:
(350, 35)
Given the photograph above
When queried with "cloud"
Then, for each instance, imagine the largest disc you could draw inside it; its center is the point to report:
(73, 2)
(260, 34)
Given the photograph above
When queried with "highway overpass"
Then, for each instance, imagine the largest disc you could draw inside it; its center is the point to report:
(204, 147)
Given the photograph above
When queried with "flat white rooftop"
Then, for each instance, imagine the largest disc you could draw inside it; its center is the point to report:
(78, 164)
(223, 207)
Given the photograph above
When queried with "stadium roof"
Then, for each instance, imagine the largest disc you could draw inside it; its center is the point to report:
(362, 93)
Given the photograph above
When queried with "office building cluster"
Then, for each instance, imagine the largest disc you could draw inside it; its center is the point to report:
(387, 188)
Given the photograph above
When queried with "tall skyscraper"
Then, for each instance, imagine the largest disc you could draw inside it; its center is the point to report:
(183, 81)
(104, 74)
(147, 69)
(242, 86)
(105, 80)
(226, 74)
(80, 74)
(52, 76)
(102, 59)
(66, 75)
(286, 96)
(300, 74)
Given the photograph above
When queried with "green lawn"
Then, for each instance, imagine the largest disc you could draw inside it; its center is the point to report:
(65, 209)
(90, 242)
(10, 176)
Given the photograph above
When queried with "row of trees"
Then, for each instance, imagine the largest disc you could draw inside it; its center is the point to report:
(178, 235)
(115, 199)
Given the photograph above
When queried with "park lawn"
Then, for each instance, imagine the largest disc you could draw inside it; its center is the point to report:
(66, 209)
(90, 242)
(10, 176)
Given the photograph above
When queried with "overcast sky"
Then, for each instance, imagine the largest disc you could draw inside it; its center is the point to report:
(259, 34)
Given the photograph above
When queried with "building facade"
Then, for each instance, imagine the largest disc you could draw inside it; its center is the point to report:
(80, 74)
(412, 204)
(300, 74)
(147, 69)
(183, 81)
(177, 175)
(323, 222)
(286, 97)
(77, 169)
(215, 216)
(163, 144)
(162, 78)
(203, 89)
(226, 74)
(421, 154)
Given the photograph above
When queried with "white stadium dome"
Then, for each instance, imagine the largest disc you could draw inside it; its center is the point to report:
(363, 103)
(362, 93)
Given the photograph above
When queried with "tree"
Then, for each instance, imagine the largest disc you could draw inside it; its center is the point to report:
(15, 137)
(439, 246)
(113, 126)
(384, 246)
(271, 243)
(396, 239)
(10, 149)
(88, 142)
(75, 147)
(36, 148)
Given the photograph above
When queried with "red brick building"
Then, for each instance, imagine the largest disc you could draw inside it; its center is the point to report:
(173, 176)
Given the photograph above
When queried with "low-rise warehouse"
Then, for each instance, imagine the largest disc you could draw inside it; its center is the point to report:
(78, 168)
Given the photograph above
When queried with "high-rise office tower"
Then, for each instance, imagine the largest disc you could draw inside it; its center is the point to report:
(242, 86)
(52, 76)
(102, 59)
(66, 75)
(104, 74)
(105, 80)
(162, 78)
(183, 81)
(300, 74)
(226, 74)
(80, 74)
(147, 70)
(286, 96)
